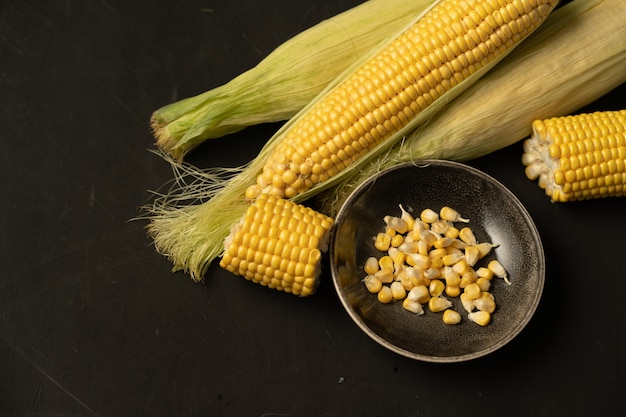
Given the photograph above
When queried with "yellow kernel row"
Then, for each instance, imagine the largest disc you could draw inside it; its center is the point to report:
(427, 259)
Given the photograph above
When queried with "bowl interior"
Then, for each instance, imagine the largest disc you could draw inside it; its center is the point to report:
(495, 215)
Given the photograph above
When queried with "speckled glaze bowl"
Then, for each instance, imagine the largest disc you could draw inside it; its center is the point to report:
(495, 215)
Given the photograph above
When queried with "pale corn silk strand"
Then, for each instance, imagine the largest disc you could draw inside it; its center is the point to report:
(284, 81)
(577, 56)
(192, 236)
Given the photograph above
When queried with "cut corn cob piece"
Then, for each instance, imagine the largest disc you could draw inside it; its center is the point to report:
(278, 244)
(383, 96)
(578, 157)
(284, 81)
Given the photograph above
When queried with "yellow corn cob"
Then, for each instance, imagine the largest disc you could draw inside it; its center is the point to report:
(284, 81)
(384, 96)
(578, 157)
(278, 244)
(586, 37)
(374, 104)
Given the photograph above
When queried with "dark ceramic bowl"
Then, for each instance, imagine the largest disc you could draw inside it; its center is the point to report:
(495, 215)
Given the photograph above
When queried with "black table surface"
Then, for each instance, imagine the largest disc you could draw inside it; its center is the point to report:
(94, 323)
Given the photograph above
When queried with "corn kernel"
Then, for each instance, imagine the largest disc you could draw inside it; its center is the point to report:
(418, 260)
(452, 232)
(437, 253)
(396, 223)
(437, 304)
(385, 275)
(405, 280)
(468, 278)
(441, 227)
(453, 291)
(484, 272)
(429, 216)
(413, 306)
(472, 254)
(481, 318)
(472, 291)
(498, 270)
(409, 247)
(486, 302)
(397, 257)
(450, 214)
(371, 265)
(468, 304)
(385, 262)
(429, 237)
(419, 293)
(443, 242)
(397, 291)
(382, 242)
(436, 288)
(408, 218)
(451, 276)
(467, 235)
(461, 267)
(397, 241)
(484, 284)
(372, 284)
(384, 295)
(452, 258)
(451, 317)
(484, 248)
(432, 273)
(420, 226)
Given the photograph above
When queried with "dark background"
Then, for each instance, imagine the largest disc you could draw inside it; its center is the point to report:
(92, 321)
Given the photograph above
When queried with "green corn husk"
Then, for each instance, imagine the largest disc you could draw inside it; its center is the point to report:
(286, 80)
(577, 56)
(191, 236)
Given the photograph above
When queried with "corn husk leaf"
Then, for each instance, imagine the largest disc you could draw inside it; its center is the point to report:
(286, 80)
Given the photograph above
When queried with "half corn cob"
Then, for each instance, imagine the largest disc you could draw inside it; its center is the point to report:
(278, 244)
(286, 80)
(578, 157)
(575, 58)
(401, 85)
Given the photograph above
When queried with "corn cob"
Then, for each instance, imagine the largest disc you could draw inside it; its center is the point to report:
(387, 93)
(284, 81)
(578, 157)
(402, 84)
(278, 244)
(578, 56)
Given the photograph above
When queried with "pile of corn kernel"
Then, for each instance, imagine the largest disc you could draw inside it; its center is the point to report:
(427, 260)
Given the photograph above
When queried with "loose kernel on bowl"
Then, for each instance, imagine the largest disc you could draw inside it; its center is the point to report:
(495, 216)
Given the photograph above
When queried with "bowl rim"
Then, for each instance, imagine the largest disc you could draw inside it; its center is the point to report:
(356, 318)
